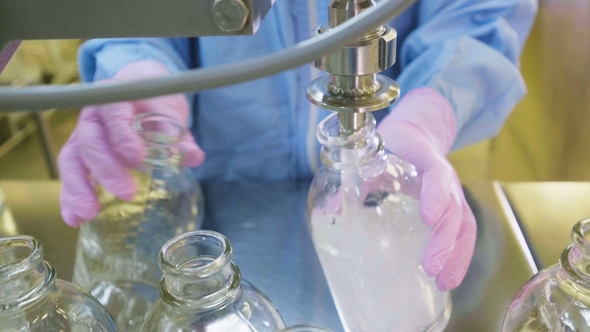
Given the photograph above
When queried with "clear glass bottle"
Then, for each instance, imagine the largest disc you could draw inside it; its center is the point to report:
(363, 214)
(202, 290)
(557, 298)
(116, 257)
(32, 299)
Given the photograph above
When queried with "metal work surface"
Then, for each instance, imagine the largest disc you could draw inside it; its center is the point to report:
(267, 227)
(547, 212)
(68, 19)
(34, 207)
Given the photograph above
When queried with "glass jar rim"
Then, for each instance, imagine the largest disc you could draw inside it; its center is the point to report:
(159, 137)
(580, 234)
(22, 265)
(165, 258)
(327, 135)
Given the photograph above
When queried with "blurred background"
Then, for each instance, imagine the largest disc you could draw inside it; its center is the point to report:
(545, 138)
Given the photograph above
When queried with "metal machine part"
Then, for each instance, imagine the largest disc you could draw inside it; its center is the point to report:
(354, 86)
(70, 19)
(195, 80)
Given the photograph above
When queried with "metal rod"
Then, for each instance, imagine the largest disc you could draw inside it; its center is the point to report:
(350, 122)
(48, 152)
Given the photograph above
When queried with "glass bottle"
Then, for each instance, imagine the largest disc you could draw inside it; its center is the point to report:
(116, 257)
(32, 299)
(202, 290)
(556, 298)
(363, 214)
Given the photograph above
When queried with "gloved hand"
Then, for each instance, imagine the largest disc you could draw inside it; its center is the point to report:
(104, 146)
(421, 129)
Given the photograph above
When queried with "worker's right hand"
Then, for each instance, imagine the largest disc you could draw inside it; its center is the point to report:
(104, 146)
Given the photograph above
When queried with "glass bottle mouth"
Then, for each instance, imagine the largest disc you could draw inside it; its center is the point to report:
(198, 271)
(329, 133)
(213, 250)
(581, 236)
(158, 128)
(162, 133)
(343, 150)
(575, 262)
(18, 256)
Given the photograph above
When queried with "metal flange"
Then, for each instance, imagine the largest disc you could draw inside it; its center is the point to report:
(361, 98)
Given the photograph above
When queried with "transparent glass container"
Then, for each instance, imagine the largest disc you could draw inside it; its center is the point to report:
(32, 299)
(202, 290)
(364, 220)
(116, 256)
(557, 298)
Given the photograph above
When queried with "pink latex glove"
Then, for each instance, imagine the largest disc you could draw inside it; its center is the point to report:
(104, 145)
(421, 129)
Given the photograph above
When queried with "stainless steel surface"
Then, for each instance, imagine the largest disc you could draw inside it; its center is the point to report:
(498, 269)
(360, 99)
(266, 224)
(231, 15)
(353, 85)
(35, 212)
(547, 212)
(351, 122)
(67, 19)
(341, 11)
(371, 54)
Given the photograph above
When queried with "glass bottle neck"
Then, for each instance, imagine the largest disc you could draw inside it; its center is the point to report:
(159, 156)
(161, 134)
(574, 274)
(24, 276)
(198, 271)
(342, 150)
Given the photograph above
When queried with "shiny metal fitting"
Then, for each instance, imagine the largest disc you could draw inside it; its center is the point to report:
(231, 15)
(354, 86)
(370, 55)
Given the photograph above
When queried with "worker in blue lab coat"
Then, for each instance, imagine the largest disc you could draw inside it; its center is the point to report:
(458, 67)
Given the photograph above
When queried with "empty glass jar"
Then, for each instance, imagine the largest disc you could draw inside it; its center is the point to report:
(363, 213)
(202, 290)
(116, 257)
(32, 299)
(557, 298)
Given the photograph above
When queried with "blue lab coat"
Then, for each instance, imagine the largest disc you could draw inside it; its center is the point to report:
(468, 50)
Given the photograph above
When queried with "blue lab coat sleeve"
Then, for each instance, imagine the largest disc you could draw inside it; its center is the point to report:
(468, 50)
(101, 58)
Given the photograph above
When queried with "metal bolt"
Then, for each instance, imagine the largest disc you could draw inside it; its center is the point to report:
(231, 15)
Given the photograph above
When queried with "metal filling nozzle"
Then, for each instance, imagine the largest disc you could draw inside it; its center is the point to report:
(354, 86)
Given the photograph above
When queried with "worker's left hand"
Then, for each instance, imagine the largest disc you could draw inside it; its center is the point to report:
(421, 129)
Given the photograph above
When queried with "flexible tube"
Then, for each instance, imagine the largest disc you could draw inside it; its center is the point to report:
(43, 97)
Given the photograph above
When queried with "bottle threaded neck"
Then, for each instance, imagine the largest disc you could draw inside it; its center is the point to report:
(198, 271)
(342, 149)
(24, 276)
(575, 259)
(161, 133)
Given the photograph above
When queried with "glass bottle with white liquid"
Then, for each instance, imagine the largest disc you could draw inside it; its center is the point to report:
(363, 214)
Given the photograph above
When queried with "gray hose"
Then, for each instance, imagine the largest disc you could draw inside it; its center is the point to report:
(43, 97)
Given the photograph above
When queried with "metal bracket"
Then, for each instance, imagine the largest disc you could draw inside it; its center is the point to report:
(84, 19)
